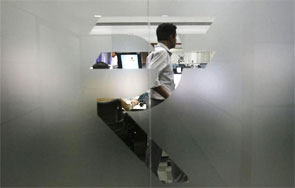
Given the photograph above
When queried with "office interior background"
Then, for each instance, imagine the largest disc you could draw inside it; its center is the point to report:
(230, 124)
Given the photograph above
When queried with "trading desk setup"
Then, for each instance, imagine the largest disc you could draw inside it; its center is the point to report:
(114, 111)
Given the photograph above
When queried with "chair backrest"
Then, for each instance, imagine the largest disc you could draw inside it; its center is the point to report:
(110, 112)
(100, 65)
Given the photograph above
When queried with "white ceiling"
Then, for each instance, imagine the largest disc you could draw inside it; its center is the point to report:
(78, 15)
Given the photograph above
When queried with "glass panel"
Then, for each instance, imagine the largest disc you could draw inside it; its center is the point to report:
(51, 134)
(232, 123)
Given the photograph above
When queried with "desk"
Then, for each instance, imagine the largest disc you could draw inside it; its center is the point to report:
(139, 108)
(126, 104)
(136, 107)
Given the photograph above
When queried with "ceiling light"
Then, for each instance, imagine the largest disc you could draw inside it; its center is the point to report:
(145, 27)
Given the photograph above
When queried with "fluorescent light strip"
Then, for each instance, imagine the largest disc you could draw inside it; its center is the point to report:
(145, 27)
(150, 23)
(155, 19)
(103, 30)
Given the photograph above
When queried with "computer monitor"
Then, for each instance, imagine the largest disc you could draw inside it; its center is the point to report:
(129, 60)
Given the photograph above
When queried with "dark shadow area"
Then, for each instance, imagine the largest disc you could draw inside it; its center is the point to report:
(113, 113)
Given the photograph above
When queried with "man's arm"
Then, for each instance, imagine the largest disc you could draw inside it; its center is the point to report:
(161, 90)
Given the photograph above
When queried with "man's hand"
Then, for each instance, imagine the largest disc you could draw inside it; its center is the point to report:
(162, 91)
(134, 102)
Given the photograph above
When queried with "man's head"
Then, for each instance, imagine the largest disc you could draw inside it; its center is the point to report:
(166, 33)
(113, 54)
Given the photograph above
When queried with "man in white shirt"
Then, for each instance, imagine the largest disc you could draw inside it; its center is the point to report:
(114, 62)
(160, 59)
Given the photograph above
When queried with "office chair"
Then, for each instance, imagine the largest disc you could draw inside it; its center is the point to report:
(101, 65)
(123, 125)
(111, 113)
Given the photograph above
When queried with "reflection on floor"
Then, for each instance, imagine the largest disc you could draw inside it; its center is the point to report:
(165, 169)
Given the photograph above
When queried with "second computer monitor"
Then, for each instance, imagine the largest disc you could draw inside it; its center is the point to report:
(129, 61)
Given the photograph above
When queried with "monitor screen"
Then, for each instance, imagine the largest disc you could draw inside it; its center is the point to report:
(129, 61)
